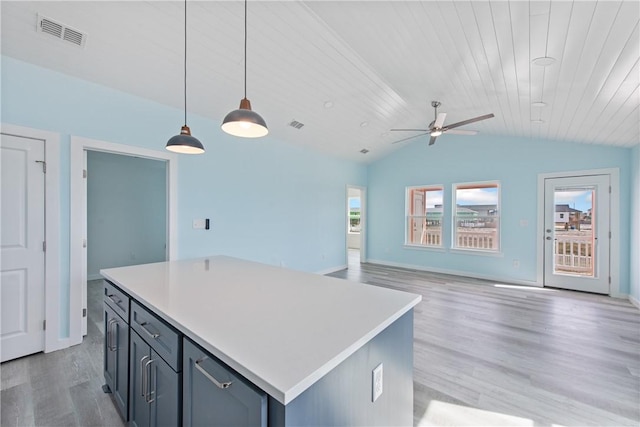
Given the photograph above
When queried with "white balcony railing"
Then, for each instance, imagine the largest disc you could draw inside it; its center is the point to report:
(573, 254)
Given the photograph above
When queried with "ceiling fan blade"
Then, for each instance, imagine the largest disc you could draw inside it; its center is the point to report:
(466, 122)
(439, 120)
(411, 137)
(432, 140)
(462, 132)
(409, 130)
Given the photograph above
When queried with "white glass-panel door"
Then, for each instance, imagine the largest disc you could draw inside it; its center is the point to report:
(577, 233)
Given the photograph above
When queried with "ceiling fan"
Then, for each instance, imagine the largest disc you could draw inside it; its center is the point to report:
(437, 128)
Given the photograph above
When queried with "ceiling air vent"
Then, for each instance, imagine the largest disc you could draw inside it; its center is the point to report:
(296, 124)
(61, 31)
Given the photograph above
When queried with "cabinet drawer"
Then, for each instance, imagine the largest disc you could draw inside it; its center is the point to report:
(164, 339)
(116, 299)
(216, 395)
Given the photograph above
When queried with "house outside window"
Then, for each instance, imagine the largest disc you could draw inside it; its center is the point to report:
(424, 216)
(354, 214)
(476, 216)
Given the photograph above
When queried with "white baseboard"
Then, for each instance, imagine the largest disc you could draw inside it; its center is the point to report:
(634, 301)
(331, 270)
(95, 277)
(456, 273)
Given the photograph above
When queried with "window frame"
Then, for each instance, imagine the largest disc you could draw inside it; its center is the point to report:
(454, 213)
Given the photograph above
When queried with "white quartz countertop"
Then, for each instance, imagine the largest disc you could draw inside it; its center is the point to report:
(281, 329)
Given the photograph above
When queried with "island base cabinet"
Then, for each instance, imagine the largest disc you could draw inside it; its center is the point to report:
(215, 395)
(116, 358)
(154, 394)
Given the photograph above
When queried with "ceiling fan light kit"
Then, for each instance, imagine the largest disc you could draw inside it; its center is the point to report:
(244, 122)
(184, 143)
(437, 127)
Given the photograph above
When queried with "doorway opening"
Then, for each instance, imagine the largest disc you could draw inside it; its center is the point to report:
(356, 227)
(126, 211)
(81, 149)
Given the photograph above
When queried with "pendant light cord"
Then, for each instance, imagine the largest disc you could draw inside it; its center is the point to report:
(185, 62)
(245, 49)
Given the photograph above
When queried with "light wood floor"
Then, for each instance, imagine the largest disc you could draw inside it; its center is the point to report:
(487, 355)
(62, 388)
(483, 355)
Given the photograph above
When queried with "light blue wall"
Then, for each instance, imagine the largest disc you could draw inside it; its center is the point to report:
(635, 224)
(514, 162)
(267, 200)
(126, 211)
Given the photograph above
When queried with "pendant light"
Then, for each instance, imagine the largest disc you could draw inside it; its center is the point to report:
(243, 122)
(184, 143)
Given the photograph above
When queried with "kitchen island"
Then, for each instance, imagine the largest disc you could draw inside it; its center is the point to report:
(304, 346)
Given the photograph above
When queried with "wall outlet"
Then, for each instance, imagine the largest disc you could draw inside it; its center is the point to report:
(376, 382)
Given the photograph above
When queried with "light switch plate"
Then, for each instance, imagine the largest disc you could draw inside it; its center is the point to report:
(376, 382)
(199, 224)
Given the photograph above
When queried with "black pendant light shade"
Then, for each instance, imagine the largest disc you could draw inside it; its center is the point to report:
(184, 143)
(244, 122)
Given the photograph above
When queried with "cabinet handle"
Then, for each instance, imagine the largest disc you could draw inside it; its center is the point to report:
(209, 377)
(147, 367)
(110, 345)
(152, 335)
(143, 380)
(117, 301)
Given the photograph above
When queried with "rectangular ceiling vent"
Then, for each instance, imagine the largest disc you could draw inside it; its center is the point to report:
(61, 31)
(296, 124)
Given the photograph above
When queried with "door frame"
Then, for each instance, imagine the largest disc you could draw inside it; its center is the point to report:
(614, 218)
(52, 334)
(363, 223)
(77, 258)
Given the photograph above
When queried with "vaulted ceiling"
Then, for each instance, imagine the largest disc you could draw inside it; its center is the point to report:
(352, 70)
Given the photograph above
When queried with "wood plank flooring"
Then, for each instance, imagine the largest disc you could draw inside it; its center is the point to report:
(488, 355)
(62, 388)
(483, 355)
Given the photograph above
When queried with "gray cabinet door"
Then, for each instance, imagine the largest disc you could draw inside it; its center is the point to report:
(116, 358)
(233, 401)
(140, 354)
(154, 397)
(165, 393)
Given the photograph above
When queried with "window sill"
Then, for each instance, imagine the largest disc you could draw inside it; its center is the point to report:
(477, 252)
(425, 248)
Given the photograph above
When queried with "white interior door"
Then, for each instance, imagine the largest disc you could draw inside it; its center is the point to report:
(22, 241)
(577, 233)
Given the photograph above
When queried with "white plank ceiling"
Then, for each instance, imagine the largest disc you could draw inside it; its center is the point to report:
(378, 63)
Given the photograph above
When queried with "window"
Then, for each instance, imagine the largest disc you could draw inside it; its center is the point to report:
(354, 214)
(477, 216)
(424, 216)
